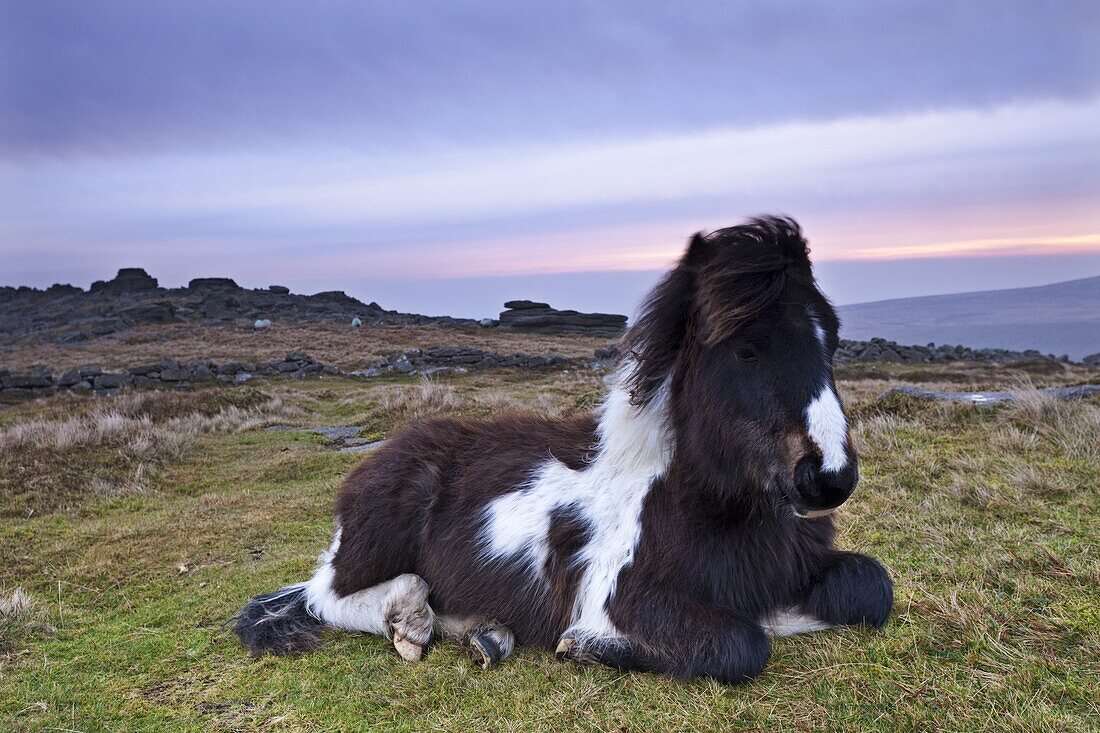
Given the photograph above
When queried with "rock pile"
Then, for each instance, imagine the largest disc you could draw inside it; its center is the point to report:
(66, 314)
(532, 317)
(168, 372)
(174, 373)
(882, 351)
(428, 361)
(128, 280)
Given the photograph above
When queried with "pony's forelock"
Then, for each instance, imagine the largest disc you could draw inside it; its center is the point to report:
(724, 281)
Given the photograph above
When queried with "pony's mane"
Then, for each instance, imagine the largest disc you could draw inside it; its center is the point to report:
(723, 281)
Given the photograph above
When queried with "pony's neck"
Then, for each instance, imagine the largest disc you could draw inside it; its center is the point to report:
(635, 438)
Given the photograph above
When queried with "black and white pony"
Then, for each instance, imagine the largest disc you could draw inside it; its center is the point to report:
(673, 530)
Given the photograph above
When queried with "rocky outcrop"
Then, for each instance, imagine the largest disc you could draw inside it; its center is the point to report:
(882, 351)
(296, 365)
(213, 283)
(531, 317)
(460, 358)
(66, 314)
(128, 280)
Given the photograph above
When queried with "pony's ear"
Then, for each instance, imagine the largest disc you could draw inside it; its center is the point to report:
(698, 251)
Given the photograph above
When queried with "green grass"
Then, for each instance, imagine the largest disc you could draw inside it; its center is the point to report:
(987, 519)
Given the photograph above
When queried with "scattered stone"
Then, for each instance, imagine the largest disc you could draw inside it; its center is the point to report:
(68, 378)
(111, 381)
(27, 381)
(340, 433)
(160, 312)
(175, 374)
(104, 326)
(1078, 392)
(363, 448)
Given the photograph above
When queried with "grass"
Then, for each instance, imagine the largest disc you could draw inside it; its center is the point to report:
(113, 604)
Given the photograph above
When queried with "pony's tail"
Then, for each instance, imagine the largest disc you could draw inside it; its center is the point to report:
(279, 623)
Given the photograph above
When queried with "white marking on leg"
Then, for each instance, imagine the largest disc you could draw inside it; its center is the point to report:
(370, 609)
(828, 429)
(791, 621)
(634, 450)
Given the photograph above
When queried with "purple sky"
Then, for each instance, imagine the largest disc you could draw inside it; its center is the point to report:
(441, 157)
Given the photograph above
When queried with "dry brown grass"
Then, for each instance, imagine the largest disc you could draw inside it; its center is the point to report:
(20, 615)
(404, 403)
(347, 347)
(113, 447)
(1072, 426)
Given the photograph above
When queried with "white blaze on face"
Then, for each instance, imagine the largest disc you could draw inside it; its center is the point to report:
(828, 429)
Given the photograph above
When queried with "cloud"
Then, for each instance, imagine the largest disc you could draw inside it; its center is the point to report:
(865, 187)
(105, 78)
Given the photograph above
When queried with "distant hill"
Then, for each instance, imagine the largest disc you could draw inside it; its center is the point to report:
(1063, 318)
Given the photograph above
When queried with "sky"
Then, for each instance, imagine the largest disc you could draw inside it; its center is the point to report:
(442, 157)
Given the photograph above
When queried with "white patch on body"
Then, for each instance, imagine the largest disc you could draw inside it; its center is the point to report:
(790, 621)
(634, 450)
(828, 429)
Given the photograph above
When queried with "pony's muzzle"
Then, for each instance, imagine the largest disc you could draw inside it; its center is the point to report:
(819, 492)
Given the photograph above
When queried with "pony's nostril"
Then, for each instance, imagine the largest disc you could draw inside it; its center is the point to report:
(805, 474)
(818, 489)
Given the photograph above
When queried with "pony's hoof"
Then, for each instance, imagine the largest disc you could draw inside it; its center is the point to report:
(487, 652)
(410, 651)
(567, 646)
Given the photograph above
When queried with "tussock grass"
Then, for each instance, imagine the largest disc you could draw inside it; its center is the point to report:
(115, 447)
(1073, 427)
(402, 404)
(21, 616)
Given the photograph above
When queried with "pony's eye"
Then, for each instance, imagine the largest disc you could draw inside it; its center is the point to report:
(745, 354)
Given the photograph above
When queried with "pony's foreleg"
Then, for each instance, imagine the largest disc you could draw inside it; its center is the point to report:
(850, 590)
(489, 641)
(676, 637)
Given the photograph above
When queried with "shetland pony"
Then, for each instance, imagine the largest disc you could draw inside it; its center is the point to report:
(675, 529)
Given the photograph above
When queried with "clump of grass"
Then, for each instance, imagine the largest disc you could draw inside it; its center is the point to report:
(390, 406)
(428, 399)
(114, 448)
(1073, 427)
(21, 615)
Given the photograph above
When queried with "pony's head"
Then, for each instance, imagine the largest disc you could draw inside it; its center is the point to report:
(737, 342)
